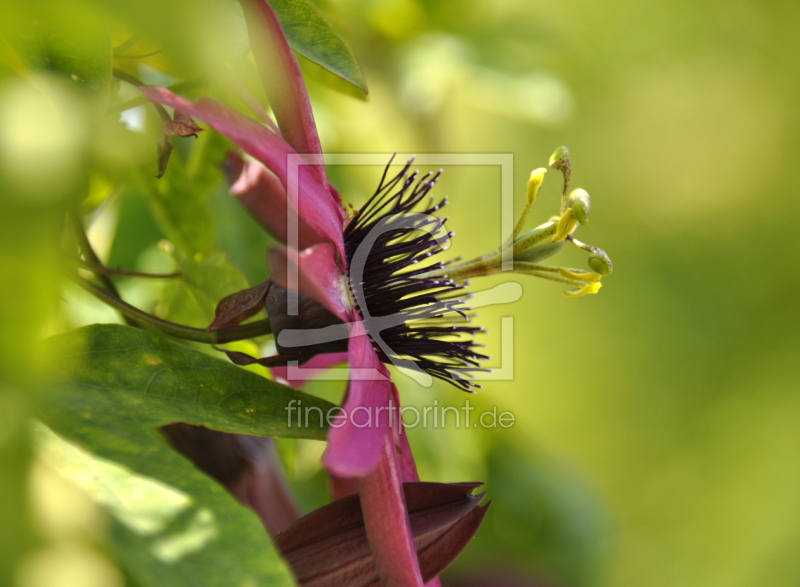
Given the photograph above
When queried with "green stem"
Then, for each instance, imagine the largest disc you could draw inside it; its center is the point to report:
(134, 81)
(125, 45)
(140, 56)
(86, 248)
(78, 230)
(210, 336)
(97, 268)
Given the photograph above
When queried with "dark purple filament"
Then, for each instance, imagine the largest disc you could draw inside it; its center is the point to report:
(410, 316)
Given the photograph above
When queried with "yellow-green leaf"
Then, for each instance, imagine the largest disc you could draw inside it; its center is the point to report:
(311, 35)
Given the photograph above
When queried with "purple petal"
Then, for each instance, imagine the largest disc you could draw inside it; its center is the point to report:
(403, 456)
(404, 461)
(356, 438)
(315, 273)
(386, 521)
(329, 547)
(282, 80)
(297, 376)
(265, 490)
(246, 465)
(315, 205)
(261, 192)
(439, 553)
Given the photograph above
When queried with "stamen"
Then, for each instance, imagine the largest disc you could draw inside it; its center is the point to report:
(566, 224)
(560, 160)
(534, 183)
(580, 204)
(408, 310)
(542, 242)
(599, 260)
(589, 288)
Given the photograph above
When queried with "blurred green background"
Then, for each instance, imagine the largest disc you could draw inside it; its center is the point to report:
(657, 423)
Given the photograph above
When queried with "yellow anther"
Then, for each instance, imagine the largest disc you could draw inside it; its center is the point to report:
(566, 224)
(589, 288)
(579, 275)
(600, 262)
(559, 159)
(534, 183)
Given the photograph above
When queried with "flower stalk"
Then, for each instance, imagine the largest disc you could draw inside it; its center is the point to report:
(145, 320)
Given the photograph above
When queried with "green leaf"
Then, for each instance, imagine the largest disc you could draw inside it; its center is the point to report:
(206, 279)
(174, 525)
(311, 35)
(64, 44)
(130, 380)
(180, 199)
(180, 205)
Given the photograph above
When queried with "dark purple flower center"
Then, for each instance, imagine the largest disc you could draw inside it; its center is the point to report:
(410, 316)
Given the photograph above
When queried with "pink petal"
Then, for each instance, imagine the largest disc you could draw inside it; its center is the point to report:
(297, 376)
(263, 195)
(356, 438)
(386, 521)
(315, 205)
(282, 80)
(315, 273)
(404, 460)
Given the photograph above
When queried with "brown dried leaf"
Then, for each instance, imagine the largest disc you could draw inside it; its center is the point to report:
(239, 306)
(181, 125)
(163, 151)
